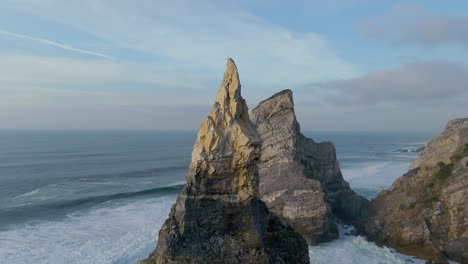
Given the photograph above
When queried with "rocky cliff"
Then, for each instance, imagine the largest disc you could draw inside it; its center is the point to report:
(218, 216)
(425, 212)
(300, 180)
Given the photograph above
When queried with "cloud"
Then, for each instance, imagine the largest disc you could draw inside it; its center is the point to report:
(54, 44)
(200, 35)
(185, 45)
(35, 69)
(43, 80)
(410, 24)
(419, 83)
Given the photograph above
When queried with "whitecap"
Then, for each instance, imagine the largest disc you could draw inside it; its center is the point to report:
(350, 249)
(363, 170)
(31, 193)
(122, 232)
(126, 231)
(177, 183)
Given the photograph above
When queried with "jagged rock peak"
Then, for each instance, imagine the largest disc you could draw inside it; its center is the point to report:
(285, 95)
(229, 99)
(280, 103)
(229, 112)
(227, 137)
(300, 180)
(218, 216)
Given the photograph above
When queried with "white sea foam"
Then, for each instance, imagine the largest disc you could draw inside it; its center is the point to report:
(125, 232)
(364, 171)
(117, 233)
(355, 250)
(31, 193)
(177, 183)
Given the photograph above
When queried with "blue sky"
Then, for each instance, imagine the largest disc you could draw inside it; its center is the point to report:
(114, 64)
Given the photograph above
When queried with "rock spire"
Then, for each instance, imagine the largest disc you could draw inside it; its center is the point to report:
(300, 180)
(218, 216)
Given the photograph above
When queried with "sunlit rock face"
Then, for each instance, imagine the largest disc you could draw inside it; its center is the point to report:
(218, 216)
(425, 213)
(301, 180)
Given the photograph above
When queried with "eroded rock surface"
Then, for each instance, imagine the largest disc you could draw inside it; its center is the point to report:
(218, 216)
(425, 212)
(300, 180)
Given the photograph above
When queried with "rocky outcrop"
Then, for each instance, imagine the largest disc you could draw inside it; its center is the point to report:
(425, 212)
(300, 180)
(218, 216)
(445, 146)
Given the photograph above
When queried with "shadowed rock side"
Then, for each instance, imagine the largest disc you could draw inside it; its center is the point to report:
(218, 216)
(425, 213)
(300, 180)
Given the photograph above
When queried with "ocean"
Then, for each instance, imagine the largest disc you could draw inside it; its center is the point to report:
(101, 196)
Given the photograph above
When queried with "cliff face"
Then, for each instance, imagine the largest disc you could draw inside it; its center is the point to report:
(218, 216)
(425, 212)
(300, 180)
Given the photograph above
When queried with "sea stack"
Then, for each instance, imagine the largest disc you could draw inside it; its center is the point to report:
(301, 180)
(218, 216)
(424, 213)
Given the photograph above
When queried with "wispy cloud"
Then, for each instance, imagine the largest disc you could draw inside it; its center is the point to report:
(108, 81)
(201, 35)
(21, 69)
(54, 44)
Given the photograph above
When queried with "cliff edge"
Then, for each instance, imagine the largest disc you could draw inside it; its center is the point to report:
(424, 213)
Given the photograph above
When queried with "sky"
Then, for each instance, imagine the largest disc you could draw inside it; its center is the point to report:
(353, 65)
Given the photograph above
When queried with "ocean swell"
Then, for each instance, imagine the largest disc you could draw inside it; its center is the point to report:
(48, 209)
